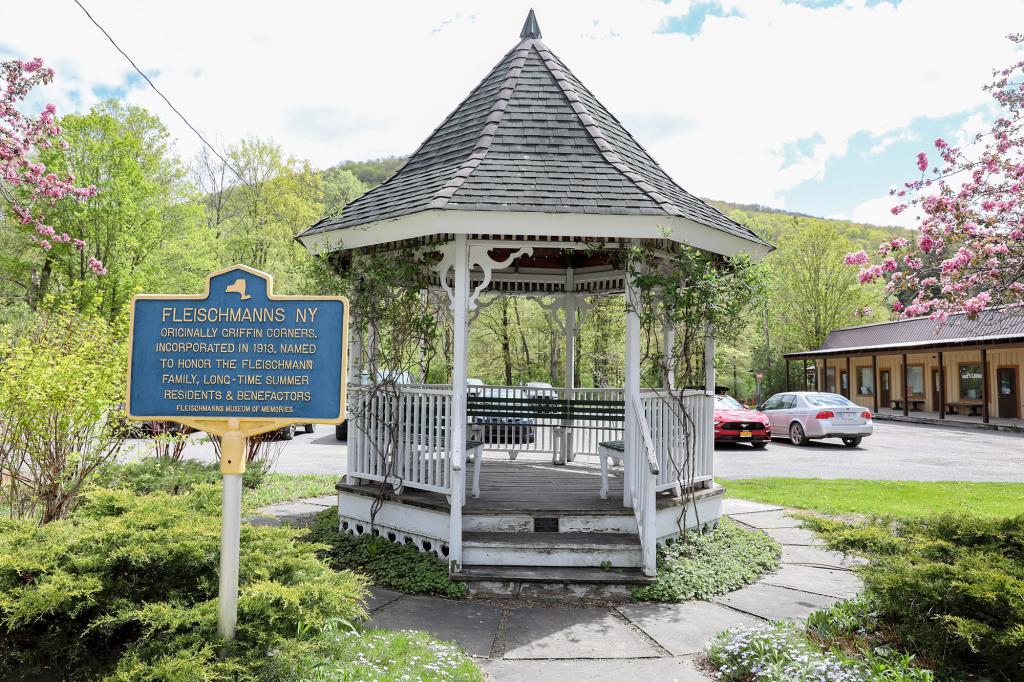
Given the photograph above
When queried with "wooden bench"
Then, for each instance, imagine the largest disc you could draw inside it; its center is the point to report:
(973, 405)
(916, 404)
(612, 449)
(570, 414)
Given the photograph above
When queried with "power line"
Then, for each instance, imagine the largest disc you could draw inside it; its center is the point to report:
(162, 95)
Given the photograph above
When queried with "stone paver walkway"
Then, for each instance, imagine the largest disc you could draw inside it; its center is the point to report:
(644, 641)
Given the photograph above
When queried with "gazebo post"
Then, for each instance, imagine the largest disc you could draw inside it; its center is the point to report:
(669, 334)
(570, 360)
(631, 388)
(355, 362)
(460, 376)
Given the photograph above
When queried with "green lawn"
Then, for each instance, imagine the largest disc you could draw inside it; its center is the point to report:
(899, 498)
(287, 487)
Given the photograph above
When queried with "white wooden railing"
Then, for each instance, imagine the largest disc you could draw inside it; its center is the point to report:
(680, 422)
(401, 434)
(640, 480)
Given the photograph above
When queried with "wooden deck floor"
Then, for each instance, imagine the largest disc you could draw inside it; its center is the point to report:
(529, 486)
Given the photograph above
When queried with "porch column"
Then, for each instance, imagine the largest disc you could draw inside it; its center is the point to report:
(849, 381)
(787, 375)
(942, 387)
(460, 374)
(817, 374)
(874, 383)
(804, 382)
(669, 375)
(570, 359)
(355, 367)
(631, 388)
(984, 386)
(906, 388)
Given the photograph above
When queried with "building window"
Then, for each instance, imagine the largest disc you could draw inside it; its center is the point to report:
(865, 381)
(970, 382)
(915, 379)
(830, 379)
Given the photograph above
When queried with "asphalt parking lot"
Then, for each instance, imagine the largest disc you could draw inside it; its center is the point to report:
(896, 451)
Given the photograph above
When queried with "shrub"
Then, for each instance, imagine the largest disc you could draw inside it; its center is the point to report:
(59, 381)
(163, 475)
(950, 588)
(782, 652)
(705, 565)
(127, 587)
(388, 564)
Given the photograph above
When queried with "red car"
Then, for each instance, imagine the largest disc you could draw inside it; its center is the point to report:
(737, 424)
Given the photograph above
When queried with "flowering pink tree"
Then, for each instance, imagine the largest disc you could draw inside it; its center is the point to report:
(969, 251)
(25, 185)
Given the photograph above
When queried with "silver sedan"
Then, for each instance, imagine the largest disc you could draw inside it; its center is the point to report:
(805, 415)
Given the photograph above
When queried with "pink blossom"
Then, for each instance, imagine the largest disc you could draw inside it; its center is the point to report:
(857, 258)
(922, 161)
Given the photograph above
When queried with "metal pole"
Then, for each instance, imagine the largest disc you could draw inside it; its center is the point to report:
(232, 466)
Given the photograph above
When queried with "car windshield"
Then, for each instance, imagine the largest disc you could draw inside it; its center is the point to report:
(827, 400)
(727, 402)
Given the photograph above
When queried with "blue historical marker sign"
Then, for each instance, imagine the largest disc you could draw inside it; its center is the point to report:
(238, 352)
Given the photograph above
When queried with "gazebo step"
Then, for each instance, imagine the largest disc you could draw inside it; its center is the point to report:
(569, 575)
(580, 550)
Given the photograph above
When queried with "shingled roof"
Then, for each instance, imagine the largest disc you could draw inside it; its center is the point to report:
(1004, 324)
(531, 138)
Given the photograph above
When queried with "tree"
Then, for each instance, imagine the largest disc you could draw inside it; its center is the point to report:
(28, 189)
(144, 223)
(969, 250)
(257, 215)
(340, 187)
(811, 291)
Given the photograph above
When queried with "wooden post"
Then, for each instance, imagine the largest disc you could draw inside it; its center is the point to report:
(817, 374)
(787, 374)
(942, 387)
(570, 361)
(984, 386)
(874, 383)
(631, 394)
(460, 376)
(849, 381)
(906, 389)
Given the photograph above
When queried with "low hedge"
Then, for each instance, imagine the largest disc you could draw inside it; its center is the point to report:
(126, 589)
(949, 589)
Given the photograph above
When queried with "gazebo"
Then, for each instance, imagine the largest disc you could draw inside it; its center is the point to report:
(530, 187)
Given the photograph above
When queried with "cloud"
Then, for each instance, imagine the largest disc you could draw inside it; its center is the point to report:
(718, 109)
(692, 22)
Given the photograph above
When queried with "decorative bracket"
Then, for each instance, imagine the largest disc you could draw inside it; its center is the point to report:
(479, 256)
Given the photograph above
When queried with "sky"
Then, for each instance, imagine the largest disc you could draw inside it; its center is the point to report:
(814, 106)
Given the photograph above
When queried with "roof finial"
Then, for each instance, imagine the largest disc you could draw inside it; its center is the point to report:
(531, 29)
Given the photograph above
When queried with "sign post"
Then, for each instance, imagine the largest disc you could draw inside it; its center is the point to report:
(237, 362)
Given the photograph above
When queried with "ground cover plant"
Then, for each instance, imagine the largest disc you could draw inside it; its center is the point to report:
(786, 652)
(125, 589)
(948, 588)
(898, 498)
(388, 564)
(704, 565)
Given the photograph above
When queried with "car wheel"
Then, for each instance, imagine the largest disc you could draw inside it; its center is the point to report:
(796, 434)
(308, 428)
(759, 446)
(288, 432)
(852, 442)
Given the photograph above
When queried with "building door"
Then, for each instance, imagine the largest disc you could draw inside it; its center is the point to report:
(936, 378)
(884, 392)
(844, 383)
(1006, 388)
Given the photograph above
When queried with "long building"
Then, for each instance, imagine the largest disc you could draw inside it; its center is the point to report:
(962, 368)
